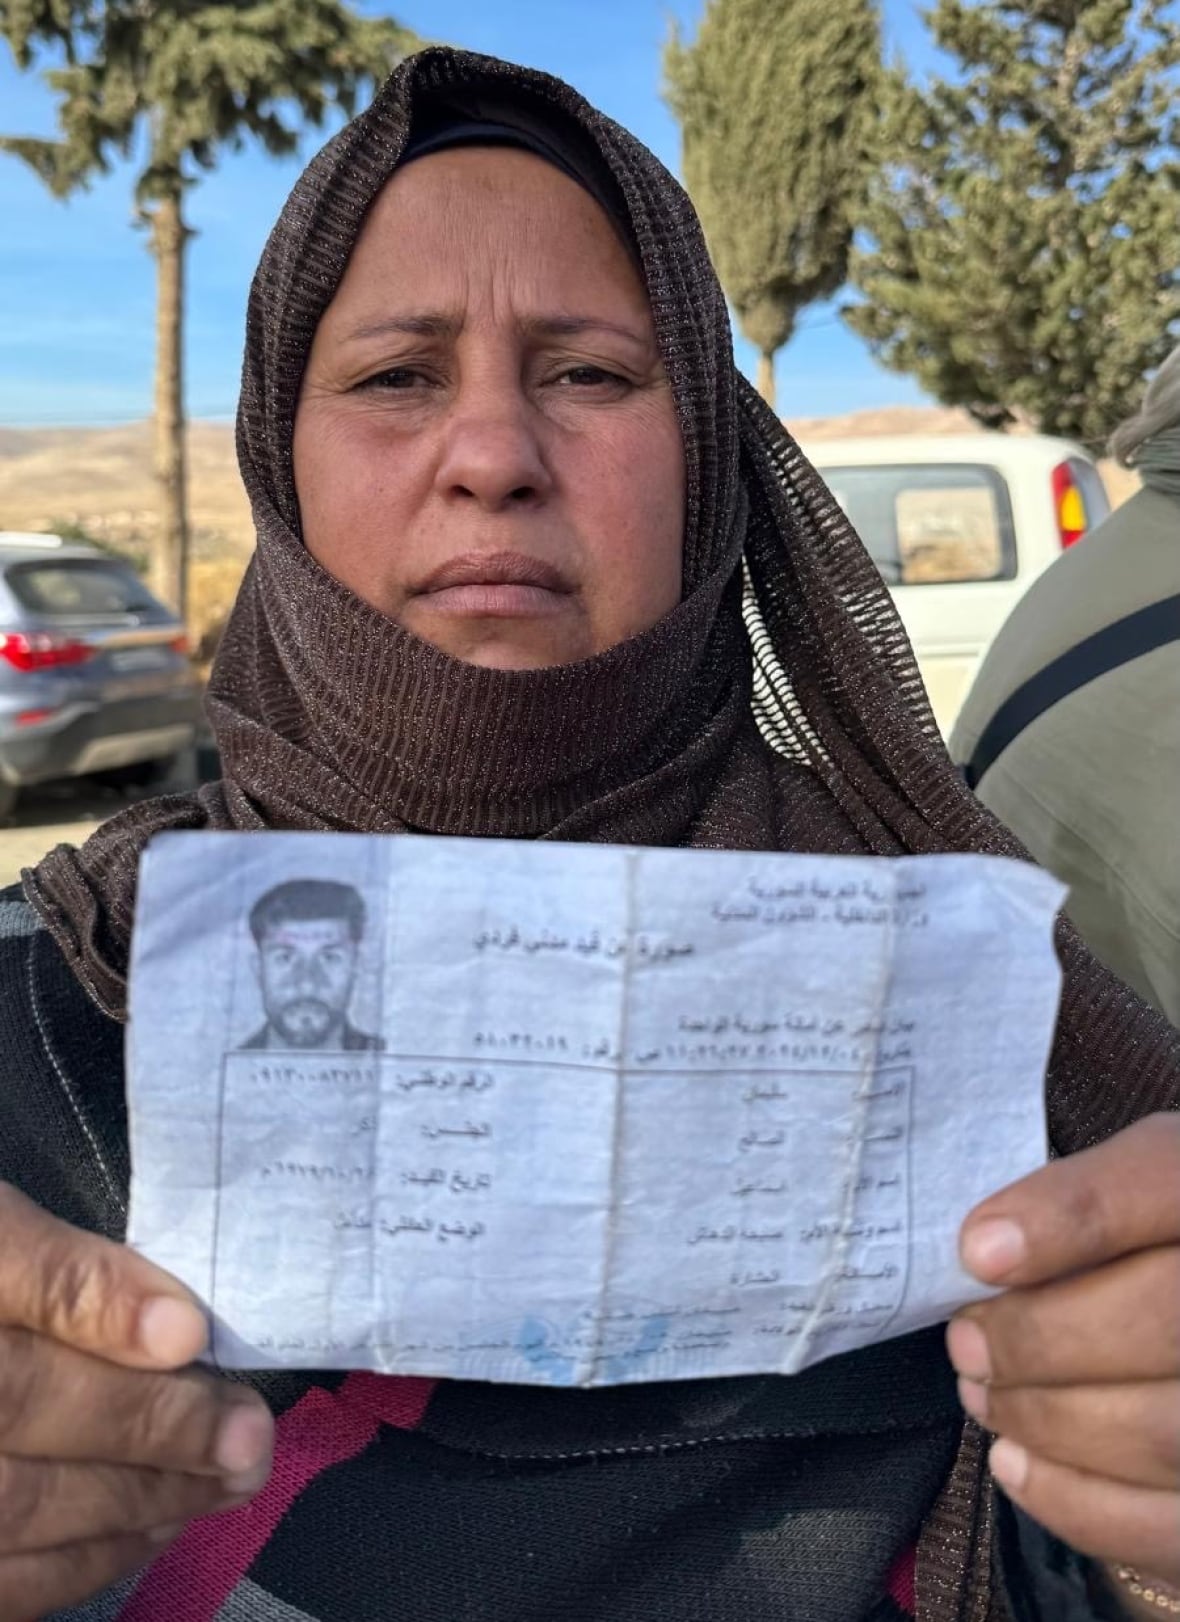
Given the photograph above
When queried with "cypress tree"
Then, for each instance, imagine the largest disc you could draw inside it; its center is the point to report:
(776, 103)
(178, 83)
(1024, 233)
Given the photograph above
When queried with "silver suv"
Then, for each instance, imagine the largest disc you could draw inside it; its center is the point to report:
(95, 676)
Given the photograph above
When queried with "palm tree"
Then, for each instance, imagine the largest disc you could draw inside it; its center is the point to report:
(181, 81)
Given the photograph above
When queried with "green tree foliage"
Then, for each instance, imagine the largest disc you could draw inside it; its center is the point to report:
(776, 101)
(1025, 230)
(169, 84)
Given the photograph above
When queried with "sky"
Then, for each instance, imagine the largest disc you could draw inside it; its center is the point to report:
(77, 283)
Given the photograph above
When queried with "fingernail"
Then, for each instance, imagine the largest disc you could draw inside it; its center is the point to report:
(246, 1484)
(171, 1330)
(1008, 1462)
(165, 1534)
(966, 1346)
(973, 1396)
(993, 1248)
(234, 1500)
(243, 1448)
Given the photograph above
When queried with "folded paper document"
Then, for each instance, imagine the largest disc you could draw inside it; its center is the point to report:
(575, 1114)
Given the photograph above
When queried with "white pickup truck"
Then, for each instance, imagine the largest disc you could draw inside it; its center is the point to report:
(960, 526)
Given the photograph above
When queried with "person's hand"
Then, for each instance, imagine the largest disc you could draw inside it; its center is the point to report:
(104, 1453)
(1076, 1366)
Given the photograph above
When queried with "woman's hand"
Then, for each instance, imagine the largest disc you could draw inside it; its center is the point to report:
(1076, 1366)
(104, 1453)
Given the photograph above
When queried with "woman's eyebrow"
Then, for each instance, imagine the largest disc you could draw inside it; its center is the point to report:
(426, 325)
(573, 326)
(438, 324)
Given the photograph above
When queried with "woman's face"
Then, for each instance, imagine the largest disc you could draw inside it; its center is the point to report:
(486, 445)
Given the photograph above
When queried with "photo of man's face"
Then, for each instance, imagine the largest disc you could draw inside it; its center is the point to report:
(308, 936)
(306, 968)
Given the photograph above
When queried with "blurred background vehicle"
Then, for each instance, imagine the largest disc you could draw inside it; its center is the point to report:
(960, 525)
(95, 675)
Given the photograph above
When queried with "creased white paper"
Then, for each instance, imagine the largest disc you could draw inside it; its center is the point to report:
(572, 1114)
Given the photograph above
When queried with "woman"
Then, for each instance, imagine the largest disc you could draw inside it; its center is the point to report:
(506, 480)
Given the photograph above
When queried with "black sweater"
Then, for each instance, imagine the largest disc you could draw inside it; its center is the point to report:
(742, 1500)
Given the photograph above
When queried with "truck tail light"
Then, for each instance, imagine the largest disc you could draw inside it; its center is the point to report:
(41, 650)
(1069, 505)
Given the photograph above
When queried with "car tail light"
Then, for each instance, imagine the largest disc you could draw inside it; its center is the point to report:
(41, 650)
(179, 644)
(1069, 505)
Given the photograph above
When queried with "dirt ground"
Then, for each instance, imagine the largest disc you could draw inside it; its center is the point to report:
(67, 813)
(50, 816)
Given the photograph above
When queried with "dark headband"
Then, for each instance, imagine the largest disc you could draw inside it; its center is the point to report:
(442, 127)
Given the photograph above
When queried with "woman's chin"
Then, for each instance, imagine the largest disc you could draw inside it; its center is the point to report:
(505, 644)
(500, 655)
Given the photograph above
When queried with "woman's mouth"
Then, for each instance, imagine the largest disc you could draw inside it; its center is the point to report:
(495, 585)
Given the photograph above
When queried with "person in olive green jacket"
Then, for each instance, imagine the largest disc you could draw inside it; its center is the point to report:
(1092, 785)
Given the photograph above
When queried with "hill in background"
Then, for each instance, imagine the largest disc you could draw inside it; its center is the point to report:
(100, 480)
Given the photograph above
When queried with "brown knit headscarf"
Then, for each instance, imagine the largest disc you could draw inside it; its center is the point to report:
(778, 707)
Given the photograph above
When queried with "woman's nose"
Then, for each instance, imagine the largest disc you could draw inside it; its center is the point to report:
(491, 453)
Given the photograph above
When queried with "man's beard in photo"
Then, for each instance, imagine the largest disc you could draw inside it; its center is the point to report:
(306, 1021)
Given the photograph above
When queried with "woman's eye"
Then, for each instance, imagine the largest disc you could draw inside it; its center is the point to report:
(591, 377)
(396, 378)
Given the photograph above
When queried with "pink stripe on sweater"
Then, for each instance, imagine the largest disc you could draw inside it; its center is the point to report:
(901, 1581)
(192, 1581)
